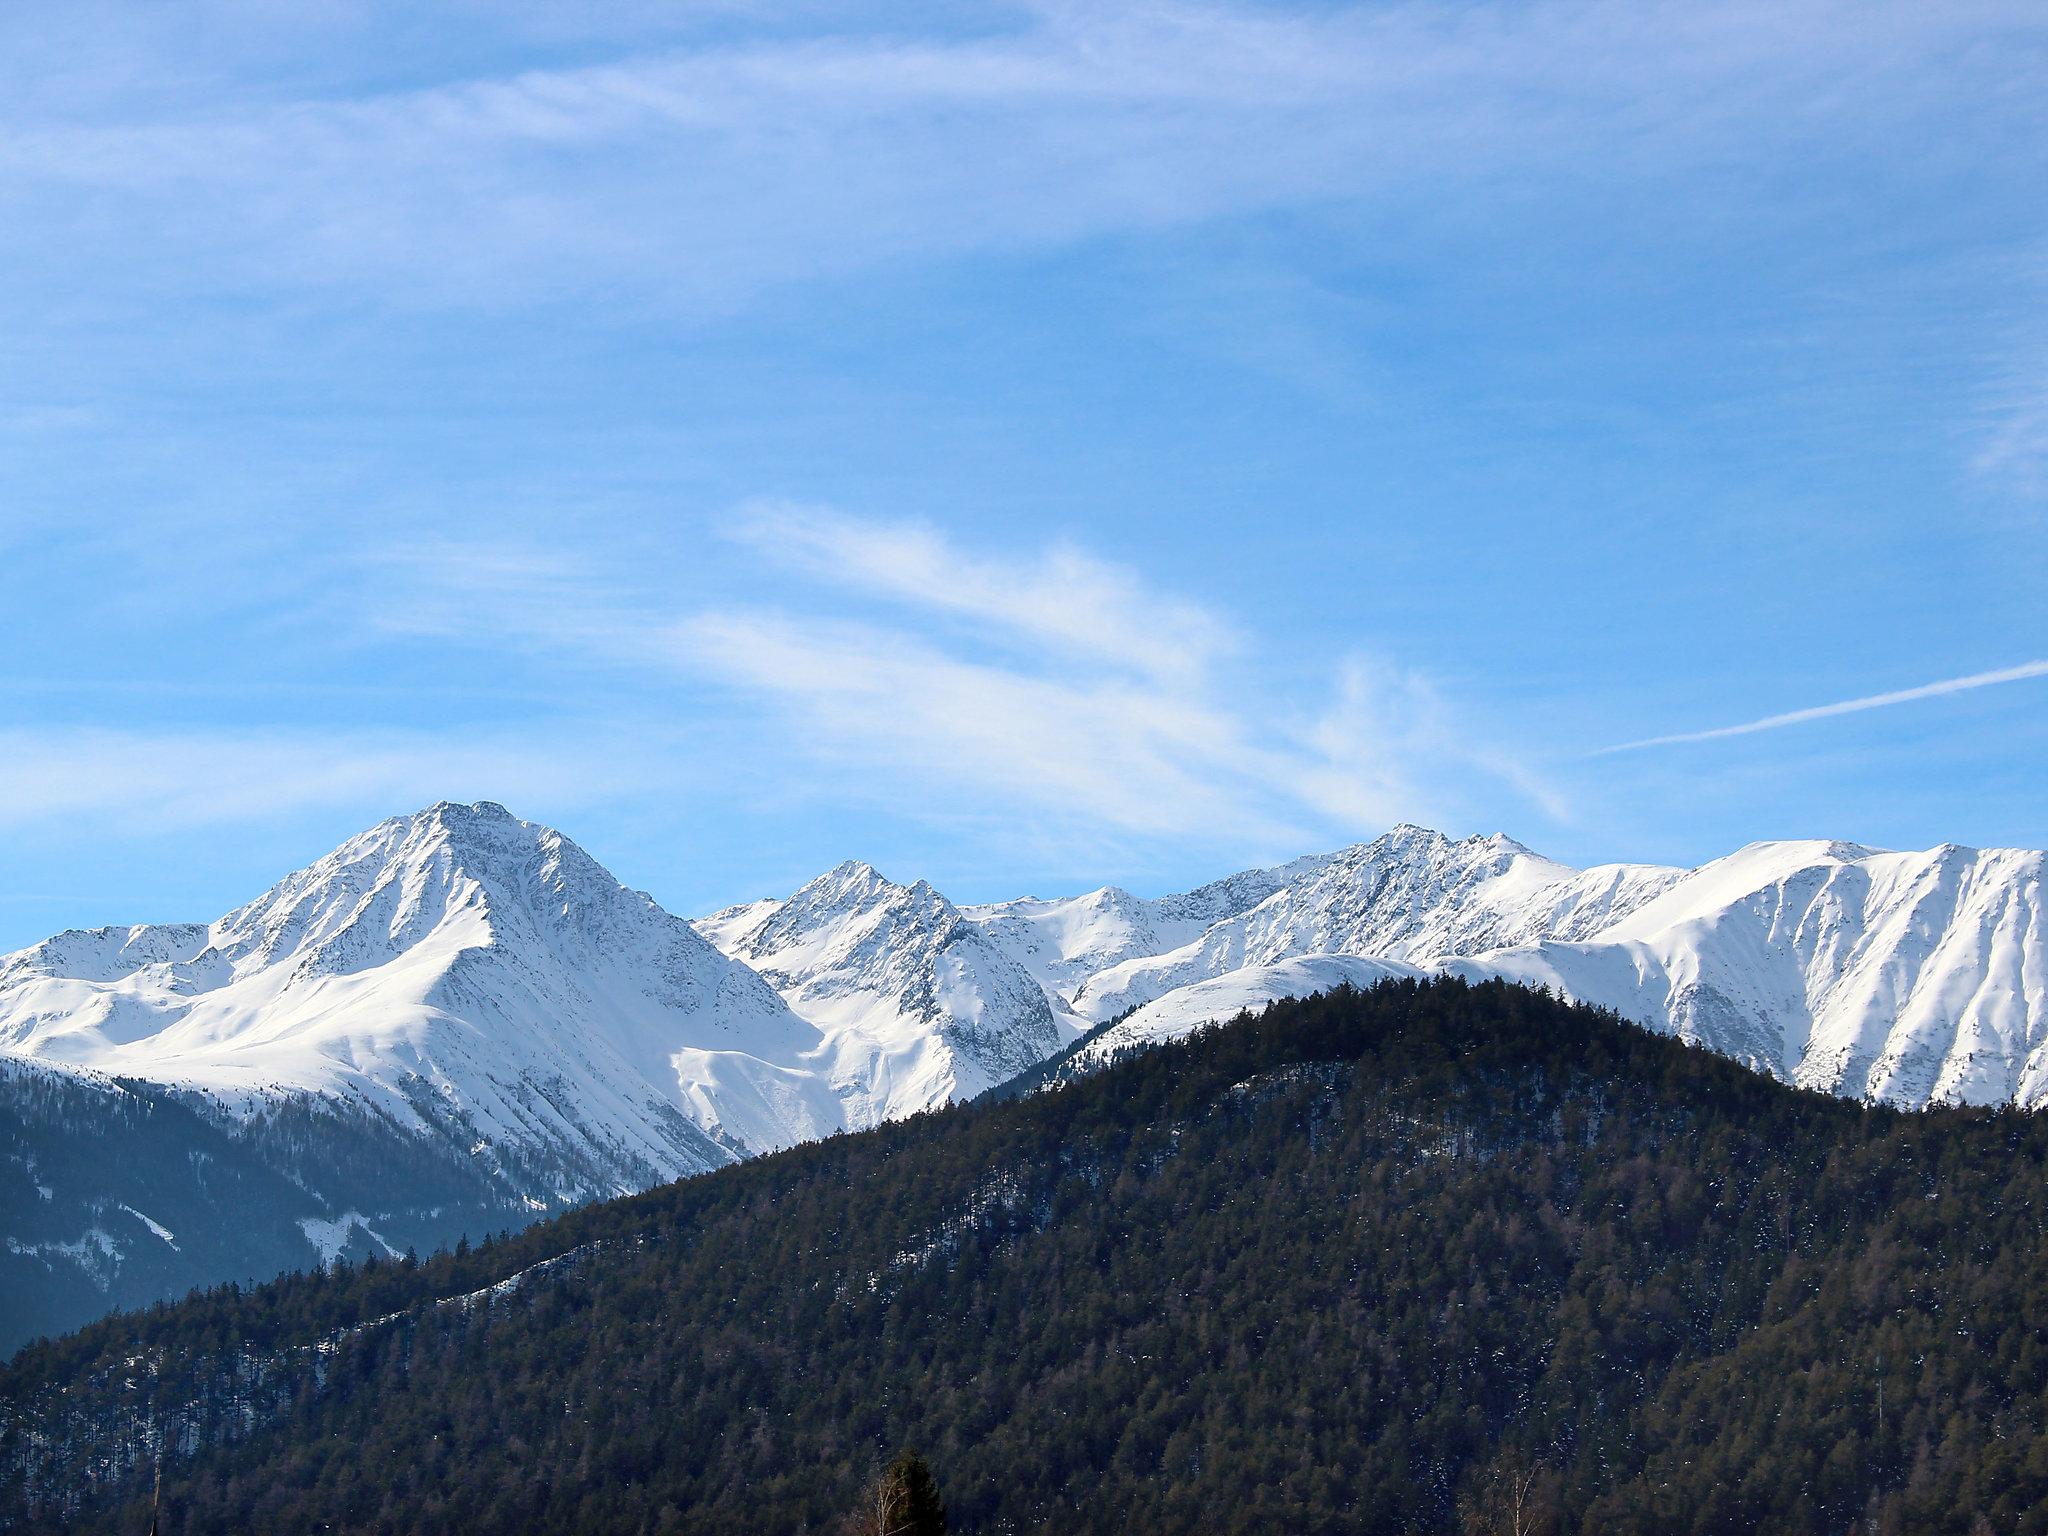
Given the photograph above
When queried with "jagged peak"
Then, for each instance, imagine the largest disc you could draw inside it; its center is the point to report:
(476, 828)
(452, 816)
(1405, 831)
(853, 880)
(1112, 898)
(389, 885)
(480, 834)
(1502, 841)
(87, 952)
(124, 933)
(1408, 835)
(490, 810)
(854, 869)
(1403, 838)
(481, 825)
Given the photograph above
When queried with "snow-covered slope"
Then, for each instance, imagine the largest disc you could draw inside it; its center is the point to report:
(1409, 894)
(1065, 942)
(1222, 998)
(463, 973)
(917, 1005)
(1909, 977)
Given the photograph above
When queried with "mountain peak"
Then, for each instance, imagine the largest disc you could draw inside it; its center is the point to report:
(487, 810)
(479, 824)
(481, 832)
(452, 816)
(455, 962)
(850, 875)
(1408, 836)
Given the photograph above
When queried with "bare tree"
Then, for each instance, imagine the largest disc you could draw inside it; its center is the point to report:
(901, 1500)
(1515, 1496)
(877, 1513)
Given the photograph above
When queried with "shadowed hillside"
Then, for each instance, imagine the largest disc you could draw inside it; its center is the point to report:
(1375, 1261)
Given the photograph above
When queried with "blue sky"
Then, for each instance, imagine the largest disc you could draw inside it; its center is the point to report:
(1021, 446)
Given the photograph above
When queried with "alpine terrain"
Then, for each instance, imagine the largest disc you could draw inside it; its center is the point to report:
(458, 1020)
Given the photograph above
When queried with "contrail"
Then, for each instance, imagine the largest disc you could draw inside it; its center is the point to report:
(2020, 673)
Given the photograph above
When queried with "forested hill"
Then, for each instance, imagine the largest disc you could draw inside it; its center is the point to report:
(1377, 1261)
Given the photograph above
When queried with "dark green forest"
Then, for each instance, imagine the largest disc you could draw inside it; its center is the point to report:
(1434, 1257)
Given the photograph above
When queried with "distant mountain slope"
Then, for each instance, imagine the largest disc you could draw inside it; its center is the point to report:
(117, 1194)
(1067, 941)
(1409, 895)
(1247, 989)
(1369, 1264)
(916, 1005)
(456, 970)
(1913, 977)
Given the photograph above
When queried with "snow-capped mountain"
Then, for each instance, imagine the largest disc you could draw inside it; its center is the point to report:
(453, 1022)
(918, 1006)
(1407, 895)
(1910, 977)
(459, 971)
(458, 1019)
(1065, 942)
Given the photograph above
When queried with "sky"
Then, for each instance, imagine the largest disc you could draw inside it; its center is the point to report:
(1026, 447)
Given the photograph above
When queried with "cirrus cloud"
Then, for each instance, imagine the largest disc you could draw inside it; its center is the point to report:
(1044, 684)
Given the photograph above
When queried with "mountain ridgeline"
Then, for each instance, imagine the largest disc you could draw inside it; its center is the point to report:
(1383, 1260)
(471, 1005)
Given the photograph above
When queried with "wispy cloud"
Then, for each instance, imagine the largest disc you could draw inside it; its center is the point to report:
(700, 174)
(911, 718)
(1043, 683)
(1063, 597)
(1104, 752)
(2020, 673)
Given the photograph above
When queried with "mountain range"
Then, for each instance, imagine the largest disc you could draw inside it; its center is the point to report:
(459, 1021)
